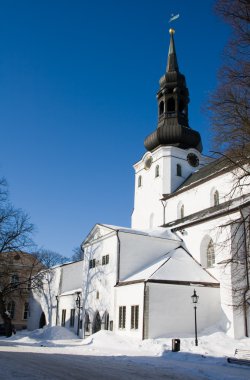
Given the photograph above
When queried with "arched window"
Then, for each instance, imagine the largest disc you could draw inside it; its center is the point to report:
(86, 322)
(182, 106)
(15, 280)
(171, 105)
(157, 171)
(210, 254)
(11, 309)
(140, 181)
(180, 210)
(216, 198)
(105, 320)
(178, 170)
(161, 108)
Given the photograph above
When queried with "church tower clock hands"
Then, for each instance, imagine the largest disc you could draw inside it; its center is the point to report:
(173, 149)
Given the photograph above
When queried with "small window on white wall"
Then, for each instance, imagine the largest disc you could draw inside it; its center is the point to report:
(140, 181)
(180, 211)
(157, 171)
(178, 170)
(210, 254)
(216, 198)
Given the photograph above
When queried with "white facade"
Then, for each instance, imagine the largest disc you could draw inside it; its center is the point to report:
(157, 174)
(139, 281)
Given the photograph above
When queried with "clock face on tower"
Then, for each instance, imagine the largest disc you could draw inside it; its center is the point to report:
(148, 162)
(193, 160)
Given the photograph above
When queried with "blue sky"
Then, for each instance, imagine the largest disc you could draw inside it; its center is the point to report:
(78, 83)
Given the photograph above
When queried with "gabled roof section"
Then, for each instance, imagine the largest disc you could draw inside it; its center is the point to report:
(104, 230)
(177, 266)
(204, 174)
(160, 232)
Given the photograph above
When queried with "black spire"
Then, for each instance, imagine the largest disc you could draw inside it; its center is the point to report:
(172, 64)
(173, 98)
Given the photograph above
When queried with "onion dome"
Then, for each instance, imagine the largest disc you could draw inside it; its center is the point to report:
(173, 98)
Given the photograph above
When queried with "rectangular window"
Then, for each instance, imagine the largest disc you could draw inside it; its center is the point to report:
(11, 309)
(105, 260)
(63, 317)
(92, 263)
(26, 310)
(134, 317)
(122, 317)
(72, 318)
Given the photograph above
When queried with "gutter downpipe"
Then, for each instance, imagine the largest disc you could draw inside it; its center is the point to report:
(247, 274)
(118, 257)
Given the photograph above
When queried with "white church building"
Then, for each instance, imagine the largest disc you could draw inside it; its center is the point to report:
(139, 281)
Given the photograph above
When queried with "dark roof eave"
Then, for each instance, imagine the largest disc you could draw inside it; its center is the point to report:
(170, 282)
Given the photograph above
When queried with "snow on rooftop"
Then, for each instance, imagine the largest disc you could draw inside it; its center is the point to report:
(176, 265)
(73, 291)
(159, 232)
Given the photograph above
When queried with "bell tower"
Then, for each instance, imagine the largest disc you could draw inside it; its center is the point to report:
(173, 148)
(173, 98)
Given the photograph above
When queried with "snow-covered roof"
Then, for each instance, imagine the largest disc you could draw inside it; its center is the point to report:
(70, 292)
(177, 265)
(157, 232)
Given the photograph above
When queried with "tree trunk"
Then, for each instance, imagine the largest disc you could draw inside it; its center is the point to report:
(6, 318)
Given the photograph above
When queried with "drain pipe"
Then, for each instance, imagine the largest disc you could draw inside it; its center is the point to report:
(247, 274)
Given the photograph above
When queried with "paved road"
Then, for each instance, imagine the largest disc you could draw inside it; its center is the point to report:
(16, 364)
(39, 363)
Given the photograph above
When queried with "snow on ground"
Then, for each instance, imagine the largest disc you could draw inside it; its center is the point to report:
(209, 357)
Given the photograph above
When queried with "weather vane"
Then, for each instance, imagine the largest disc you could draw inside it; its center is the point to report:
(174, 17)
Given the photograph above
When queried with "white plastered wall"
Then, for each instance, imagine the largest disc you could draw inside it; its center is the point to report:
(195, 239)
(98, 283)
(129, 295)
(171, 312)
(148, 209)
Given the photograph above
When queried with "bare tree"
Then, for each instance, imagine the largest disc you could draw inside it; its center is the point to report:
(229, 104)
(19, 271)
(230, 115)
(78, 254)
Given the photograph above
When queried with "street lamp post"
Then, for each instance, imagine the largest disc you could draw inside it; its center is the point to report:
(57, 302)
(195, 299)
(78, 305)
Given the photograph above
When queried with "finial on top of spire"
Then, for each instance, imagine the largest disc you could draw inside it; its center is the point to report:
(172, 64)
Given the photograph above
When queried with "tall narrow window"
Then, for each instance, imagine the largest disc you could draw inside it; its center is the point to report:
(182, 212)
(157, 171)
(139, 181)
(63, 317)
(15, 280)
(11, 309)
(171, 105)
(178, 170)
(161, 108)
(210, 254)
(122, 317)
(216, 198)
(72, 318)
(105, 260)
(87, 322)
(26, 310)
(135, 317)
(92, 263)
